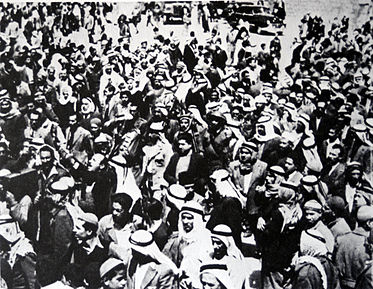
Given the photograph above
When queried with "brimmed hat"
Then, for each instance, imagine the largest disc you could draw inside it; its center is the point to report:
(88, 218)
(109, 265)
(277, 170)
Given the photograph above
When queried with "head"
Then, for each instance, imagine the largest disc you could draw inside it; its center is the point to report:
(96, 163)
(121, 208)
(95, 127)
(73, 121)
(187, 220)
(35, 119)
(275, 176)
(209, 281)
(185, 143)
(47, 157)
(220, 249)
(335, 155)
(354, 173)
(5, 102)
(85, 228)
(87, 105)
(113, 274)
(215, 275)
(184, 123)
(246, 153)
(312, 212)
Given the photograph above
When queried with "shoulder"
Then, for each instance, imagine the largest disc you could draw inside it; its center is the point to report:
(105, 221)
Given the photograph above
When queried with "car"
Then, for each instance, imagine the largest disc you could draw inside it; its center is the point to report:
(173, 13)
(259, 17)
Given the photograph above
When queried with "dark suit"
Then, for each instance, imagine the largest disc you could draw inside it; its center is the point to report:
(334, 180)
(197, 169)
(351, 255)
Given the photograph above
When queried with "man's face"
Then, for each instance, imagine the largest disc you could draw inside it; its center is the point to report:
(95, 129)
(184, 147)
(118, 281)
(46, 159)
(5, 105)
(72, 120)
(94, 163)
(209, 281)
(157, 113)
(220, 250)
(312, 217)
(333, 157)
(85, 106)
(187, 221)
(272, 178)
(245, 155)
(80, 233)
(289, 164)
(184, 124)
(284, 143)
(118, 213)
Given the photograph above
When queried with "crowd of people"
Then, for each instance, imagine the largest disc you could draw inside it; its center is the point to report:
(152, 165)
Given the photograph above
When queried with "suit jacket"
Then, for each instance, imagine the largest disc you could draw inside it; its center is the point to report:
(197, 168)
(257, 178)
(336, 180)
(351, 255)
(158, 276)
(79, 143)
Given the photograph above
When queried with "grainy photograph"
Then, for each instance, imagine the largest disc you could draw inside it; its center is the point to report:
(186, 144)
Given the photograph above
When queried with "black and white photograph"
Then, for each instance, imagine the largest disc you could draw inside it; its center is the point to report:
(186, 144)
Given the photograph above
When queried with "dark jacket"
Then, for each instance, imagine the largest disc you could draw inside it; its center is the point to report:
(197, 170)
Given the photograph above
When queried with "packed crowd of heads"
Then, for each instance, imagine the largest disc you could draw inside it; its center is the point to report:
(156, 164)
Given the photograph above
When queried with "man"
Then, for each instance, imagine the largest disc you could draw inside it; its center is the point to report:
(186, 161)
(333, 173)
(365, 280)
(149, 267)
(313, 269)
(157, 154)
(266, 195)
(99, 181)
(247, 173)
(49, 172)
(364, 154)
(191, 244)
(79, 144)
(41, 127)
(226, 252)
(312, 188)
(313, 220)
(18, 253)
(12, 122)
(215, 276)
(292, 174)
(88, 246)
(115, 229)
(113, 274)
(350, 252)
